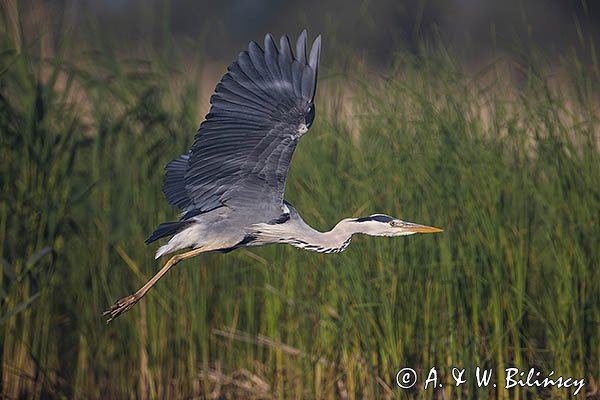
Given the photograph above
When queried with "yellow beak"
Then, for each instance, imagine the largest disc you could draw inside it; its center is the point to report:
(417, 228)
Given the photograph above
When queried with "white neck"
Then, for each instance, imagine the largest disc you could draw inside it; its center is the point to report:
(301, 235)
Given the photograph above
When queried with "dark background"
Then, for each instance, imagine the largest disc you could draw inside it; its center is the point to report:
(475, 30)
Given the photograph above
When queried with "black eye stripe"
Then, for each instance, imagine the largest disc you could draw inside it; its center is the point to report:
(378, 218)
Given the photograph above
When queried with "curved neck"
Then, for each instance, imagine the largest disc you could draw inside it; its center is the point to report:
(301, 235)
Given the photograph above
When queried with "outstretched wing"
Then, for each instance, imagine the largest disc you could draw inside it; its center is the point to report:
(242, 151)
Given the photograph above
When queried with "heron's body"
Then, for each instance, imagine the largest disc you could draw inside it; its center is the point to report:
(285, 228)
(230, 184)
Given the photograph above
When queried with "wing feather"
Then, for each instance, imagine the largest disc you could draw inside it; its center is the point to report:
(285, 60)
(315, 55)
(301, 48)
(271, 58)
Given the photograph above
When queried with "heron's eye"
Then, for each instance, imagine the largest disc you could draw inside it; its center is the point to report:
(392, 223)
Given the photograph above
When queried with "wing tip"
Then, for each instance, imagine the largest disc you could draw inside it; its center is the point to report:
(301, 47)
(278, 62)
(254, 46)
(315, 54)
(269, 41)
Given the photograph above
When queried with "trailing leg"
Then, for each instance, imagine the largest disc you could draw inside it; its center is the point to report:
(126, 303)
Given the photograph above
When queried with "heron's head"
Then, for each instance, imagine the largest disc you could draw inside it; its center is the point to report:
(384, 225)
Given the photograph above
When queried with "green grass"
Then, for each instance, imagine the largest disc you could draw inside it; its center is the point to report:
(510, 170)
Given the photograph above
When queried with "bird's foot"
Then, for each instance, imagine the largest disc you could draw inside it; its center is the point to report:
(121, 307)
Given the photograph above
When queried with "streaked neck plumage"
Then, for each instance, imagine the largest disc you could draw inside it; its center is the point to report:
(299, 234)
(333, 241)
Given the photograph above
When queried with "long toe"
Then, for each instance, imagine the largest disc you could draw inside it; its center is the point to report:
(121, 306)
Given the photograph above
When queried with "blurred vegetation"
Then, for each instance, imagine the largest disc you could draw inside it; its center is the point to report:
(376, 28)
(508, 164)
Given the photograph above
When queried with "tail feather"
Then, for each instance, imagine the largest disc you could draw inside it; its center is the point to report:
(162, 250)
(166, 229)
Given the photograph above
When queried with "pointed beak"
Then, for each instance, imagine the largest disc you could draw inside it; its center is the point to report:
(417, 228)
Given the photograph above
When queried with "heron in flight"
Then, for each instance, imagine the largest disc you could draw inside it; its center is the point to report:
(229, 185)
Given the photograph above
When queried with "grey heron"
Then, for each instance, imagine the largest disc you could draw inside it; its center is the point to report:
(229, 186)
